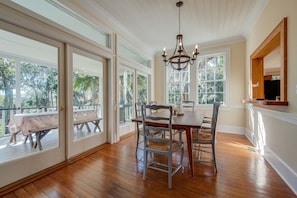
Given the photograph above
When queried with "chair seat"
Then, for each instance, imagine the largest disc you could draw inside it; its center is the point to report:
(163, 146)
(154, 132)
(202, 136)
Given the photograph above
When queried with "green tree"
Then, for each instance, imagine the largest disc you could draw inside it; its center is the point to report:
(7, 83)
(40, 84)
(141, 88)
(83, 85)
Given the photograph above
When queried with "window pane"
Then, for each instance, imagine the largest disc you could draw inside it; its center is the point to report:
(219, 86)
(87, 96)
(142, 88)
(220, 97)
(201, 63)
(7, 92)
(28, 96)
(209, 74)
(201, 75)
(210, 98)
(219, 73)
(64, 16)
(126, 93)
(38, 87)
(211, 62)
(210, 87)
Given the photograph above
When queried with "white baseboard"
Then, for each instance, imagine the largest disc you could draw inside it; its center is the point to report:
(283, 170)
(231, 129)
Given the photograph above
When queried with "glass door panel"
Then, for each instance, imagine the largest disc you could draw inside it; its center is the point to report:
(29, 100)
(142, 88)
(126, 95)
(87, 113)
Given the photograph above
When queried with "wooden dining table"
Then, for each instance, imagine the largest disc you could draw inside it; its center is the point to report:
(187, 120)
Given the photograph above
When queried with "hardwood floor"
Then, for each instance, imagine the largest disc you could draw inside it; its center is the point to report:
(113, 171)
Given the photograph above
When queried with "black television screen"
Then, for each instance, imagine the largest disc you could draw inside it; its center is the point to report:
(271, 89)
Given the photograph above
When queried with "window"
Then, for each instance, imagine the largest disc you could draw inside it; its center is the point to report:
(205, 82)
(142, 88)
(64, 16)
(210, 79)
(178, 83)
(126, 94)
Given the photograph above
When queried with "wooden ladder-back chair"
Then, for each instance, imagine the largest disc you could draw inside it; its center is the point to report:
(161, 145)
(204, 140)
(139, 126)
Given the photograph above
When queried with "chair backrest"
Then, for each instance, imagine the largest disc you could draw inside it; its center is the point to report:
(187, 104)
(153, 103)
(137, 108)
(215, 113)
(165, 118)
(138, 113)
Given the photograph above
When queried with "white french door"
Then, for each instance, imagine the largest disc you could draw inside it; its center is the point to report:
(86, 101)
(33, 74)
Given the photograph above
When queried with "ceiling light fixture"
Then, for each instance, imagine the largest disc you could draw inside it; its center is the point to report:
(180, 59)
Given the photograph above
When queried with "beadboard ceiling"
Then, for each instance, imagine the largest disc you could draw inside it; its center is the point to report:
(153, 24)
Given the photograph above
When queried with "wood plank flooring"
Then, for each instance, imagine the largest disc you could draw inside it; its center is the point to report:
(114, 171)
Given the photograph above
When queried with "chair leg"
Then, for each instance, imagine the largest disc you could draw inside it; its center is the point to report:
(170, 171)
(181, 159)
(137, 142)
(199, 152)
(214, 156)
(144, 164)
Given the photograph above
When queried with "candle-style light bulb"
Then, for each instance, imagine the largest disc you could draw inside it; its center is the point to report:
(196, 49)
(164, 52)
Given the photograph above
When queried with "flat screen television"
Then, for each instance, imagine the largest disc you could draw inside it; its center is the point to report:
(271, 89)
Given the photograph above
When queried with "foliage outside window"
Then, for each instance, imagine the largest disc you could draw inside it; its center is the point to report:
(142, 88)
(86, 90)
(126, 94)
(26, 87)
(178, 84)
(210, 79)
(39, 86)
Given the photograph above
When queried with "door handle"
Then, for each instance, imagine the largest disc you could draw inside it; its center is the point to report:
(62, 108)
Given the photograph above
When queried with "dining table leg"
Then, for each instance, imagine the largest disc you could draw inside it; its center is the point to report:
(190, 153)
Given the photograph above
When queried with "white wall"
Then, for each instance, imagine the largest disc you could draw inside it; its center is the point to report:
(274, 129)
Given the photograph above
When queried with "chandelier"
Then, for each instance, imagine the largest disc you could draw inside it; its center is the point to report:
(180, 59)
